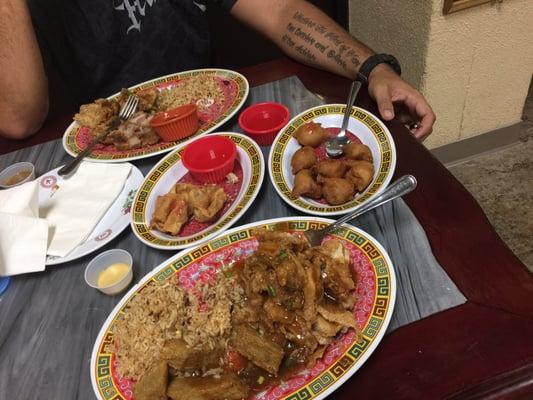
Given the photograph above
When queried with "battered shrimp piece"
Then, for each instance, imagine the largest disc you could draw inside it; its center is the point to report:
(306, 185)
(337, 190)
(360, 173)
(310, 134)
(303, 158)
(358, 151)
(331, 168)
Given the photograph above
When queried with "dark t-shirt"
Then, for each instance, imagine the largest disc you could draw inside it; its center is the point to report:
(93, 48)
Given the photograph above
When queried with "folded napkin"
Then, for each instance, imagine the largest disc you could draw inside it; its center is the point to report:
(23, 235)
(80, 202)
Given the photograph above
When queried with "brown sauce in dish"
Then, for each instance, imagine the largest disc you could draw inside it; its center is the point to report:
(16, 178)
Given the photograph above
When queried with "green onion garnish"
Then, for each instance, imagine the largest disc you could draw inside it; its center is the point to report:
(271, 291)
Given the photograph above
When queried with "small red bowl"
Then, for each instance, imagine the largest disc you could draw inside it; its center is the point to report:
(210, 158)
(176, 123)
(262, 121)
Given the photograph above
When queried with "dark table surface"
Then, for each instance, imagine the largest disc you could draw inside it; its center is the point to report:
(480, 349)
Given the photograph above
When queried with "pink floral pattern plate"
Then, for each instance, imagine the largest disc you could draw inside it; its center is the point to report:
(376, 292)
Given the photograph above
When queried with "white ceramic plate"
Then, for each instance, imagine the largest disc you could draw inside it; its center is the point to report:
(376, 296)
(366, 126)
(171, 170)
(234, 88)
(114, 221)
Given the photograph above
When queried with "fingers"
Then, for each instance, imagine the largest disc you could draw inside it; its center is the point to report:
(383, 98)
(420, 111)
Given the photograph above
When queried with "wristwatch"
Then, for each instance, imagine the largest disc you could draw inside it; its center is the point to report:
(374, 60)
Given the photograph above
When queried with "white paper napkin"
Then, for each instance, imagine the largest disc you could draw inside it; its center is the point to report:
(23, 235)
(80, 202)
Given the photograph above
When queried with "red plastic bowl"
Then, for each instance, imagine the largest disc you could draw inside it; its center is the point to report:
(210, 158)
(176, 123)
(262, 121)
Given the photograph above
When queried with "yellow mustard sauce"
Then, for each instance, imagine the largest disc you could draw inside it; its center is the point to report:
(112, 274)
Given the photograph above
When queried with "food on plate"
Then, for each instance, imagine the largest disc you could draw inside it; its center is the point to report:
(360, 173)
(184, 200)
(207, 388)
(331, 168)
(153, 384)
(202, 90)
(112, 274)
(357, 151)
(264, 317)
(134, 133)
(305, 184)
(310, 134)
(334, 180)
(303, 158)
(337, 190)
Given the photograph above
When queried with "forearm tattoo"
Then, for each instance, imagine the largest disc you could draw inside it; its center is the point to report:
(309, 38)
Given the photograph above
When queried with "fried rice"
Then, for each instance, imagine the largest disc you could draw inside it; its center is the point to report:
(202, 90)
(168, 311)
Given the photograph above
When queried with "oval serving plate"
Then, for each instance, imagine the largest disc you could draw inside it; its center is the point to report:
(234, 87)
(114, 221)
(249, 168)
(376, 293)
(364, 125)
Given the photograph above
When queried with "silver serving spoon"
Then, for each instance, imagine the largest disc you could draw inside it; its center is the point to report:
(402, 186)
(334, 145)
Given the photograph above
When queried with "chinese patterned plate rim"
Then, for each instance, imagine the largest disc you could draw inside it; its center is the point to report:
(366, 126)
(115, 220)
(241, 93)
(251, 160)
(379, 281)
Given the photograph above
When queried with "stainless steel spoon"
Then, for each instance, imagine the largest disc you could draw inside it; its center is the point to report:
(334, 145)
(402, 186)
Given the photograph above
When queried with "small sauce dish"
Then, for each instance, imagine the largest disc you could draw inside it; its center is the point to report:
(110, 272)
(263, 121)
(210, 158)
(17, 174)
(176, 123)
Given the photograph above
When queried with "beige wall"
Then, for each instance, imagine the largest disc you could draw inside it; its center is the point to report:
(474, 66)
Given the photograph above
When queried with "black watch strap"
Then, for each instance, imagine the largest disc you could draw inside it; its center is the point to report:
(372, 61)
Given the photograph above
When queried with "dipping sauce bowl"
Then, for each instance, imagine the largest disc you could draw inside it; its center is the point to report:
(210, 158)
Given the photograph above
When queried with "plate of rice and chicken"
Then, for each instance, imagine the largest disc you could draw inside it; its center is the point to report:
(256, 313)
(217, 94)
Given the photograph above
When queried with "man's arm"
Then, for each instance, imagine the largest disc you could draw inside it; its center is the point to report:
(308, 35)
(23, 83)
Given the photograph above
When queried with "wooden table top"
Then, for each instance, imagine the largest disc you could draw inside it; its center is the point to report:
(482, 349)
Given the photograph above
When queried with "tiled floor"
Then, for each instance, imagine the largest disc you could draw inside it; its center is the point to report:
(502, 183)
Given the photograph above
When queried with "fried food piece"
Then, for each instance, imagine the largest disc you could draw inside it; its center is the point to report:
(258, 349)
(337, 190)
(358, 151)
(303, 158)
(146, 98)
(153, 384)
(336, 314)
(306, 185)
(183, 358)
(331, 168)
(310, 134)
(227, 387)
(360, 174)
(207, 201)
(170, 213)
(97, 115)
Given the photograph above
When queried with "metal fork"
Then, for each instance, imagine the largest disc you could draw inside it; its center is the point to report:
(127, 110)
(400, 187)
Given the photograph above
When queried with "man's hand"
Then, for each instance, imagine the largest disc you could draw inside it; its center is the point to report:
(390, 92)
